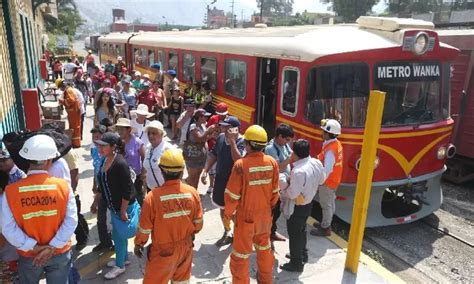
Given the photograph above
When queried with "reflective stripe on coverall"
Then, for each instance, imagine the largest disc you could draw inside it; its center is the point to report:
(252, 192)
(172, 214)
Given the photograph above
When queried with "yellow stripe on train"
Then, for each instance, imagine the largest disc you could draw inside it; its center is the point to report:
(243, 112)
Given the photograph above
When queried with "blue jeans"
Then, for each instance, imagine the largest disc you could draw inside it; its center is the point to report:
(56, 270)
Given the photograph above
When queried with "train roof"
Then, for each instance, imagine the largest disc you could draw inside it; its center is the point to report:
(301, 43)
(116, 37)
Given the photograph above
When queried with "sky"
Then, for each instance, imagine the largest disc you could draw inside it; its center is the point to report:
(186, 12)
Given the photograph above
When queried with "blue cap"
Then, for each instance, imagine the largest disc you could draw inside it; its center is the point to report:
(171, 72)
(155, 66)
(230, 121)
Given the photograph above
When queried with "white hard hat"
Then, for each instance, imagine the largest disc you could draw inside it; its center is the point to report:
(39, 148)
(331, 126)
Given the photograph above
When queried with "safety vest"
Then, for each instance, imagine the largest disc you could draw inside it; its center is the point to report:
(334, 179)
(38, 204)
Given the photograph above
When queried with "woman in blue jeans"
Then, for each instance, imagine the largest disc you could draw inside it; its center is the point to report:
(116, 187)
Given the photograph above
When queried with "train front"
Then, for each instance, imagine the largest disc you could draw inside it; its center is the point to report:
(416, 130)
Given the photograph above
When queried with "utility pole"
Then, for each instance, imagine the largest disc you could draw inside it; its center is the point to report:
(207, 14)
(232, 24)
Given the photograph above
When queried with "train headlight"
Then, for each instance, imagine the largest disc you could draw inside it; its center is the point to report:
(376, 163)
(420, 45)
(441, 154)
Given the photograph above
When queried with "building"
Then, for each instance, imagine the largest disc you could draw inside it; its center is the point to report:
(217, 19)
(22, 42)
(143, 27)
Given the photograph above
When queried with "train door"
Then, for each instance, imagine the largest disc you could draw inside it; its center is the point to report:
(267, 72)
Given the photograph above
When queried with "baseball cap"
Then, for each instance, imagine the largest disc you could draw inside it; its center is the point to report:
(99, 129)
(189, 102)
(147, 84)
(127, 80)
(201, 111)
(221, 109)
(109, 138)
(230, 121)
(155, 66)
(4, 154)
(171, 72)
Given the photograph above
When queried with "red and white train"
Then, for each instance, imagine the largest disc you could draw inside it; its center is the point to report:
(300, 75)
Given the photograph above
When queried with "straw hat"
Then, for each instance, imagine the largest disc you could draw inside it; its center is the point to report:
(123, 122)
(155, 124)
(142, 109)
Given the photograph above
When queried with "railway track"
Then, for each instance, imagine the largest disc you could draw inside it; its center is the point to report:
(447, 232)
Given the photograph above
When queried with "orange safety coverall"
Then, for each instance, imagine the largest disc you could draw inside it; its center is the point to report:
(252, 192)
(39, 204)
(172, 214)
(73, 110)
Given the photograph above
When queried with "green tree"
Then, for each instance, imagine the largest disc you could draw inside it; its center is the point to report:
(275, 7)
(68, 21)
(413, 6)
(350, 10)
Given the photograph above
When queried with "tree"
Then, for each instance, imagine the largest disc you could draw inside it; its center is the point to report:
(275, 7)
(68, 21)
(350, 10)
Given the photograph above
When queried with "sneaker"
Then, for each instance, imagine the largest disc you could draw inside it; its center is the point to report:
(114, 273)
(209, 190)
(111, 263)
(101, 247)
(277, 237)
(321, 232)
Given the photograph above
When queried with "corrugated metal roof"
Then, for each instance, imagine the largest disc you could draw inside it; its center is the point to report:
(466, 16)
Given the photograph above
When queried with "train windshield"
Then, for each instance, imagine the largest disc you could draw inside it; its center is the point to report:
(415, 92)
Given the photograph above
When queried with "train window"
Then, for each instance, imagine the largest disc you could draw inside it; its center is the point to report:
(144, 57)
(413, 98)
(173, 61)
(162, 59)
(338, 91)
(151, 57)
(235, 78)
(290, 90)
(189, 67)
(209, 71)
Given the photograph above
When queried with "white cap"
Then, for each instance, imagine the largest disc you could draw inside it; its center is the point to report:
(39, 148)
(119, 58)
(138, 73)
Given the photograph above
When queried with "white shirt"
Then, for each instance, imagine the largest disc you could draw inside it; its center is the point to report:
(81, 100)
(306, 176)
(139, 130)
(150, 163)
(184, 128)
(60, 169)
(329, 159)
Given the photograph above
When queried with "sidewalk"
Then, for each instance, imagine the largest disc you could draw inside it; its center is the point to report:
(211, 264)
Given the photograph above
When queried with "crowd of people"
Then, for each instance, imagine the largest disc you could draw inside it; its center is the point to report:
(138, 179)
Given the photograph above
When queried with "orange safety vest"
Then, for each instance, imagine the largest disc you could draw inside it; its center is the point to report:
(334, 179)
(38, 204)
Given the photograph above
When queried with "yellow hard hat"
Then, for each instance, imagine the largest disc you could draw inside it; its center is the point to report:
(256, 134)
(59, 82)
(172, 160)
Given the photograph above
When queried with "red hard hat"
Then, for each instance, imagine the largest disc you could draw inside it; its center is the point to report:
(221, 109)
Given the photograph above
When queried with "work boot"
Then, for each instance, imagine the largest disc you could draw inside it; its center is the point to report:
(320, 231)
(225, 239)
(292, 267)
(305, 257)
(277, 237)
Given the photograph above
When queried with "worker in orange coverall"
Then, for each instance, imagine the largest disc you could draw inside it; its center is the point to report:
(251, 193)
(172, 214)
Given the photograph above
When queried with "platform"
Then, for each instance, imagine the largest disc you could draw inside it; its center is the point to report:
(211, 264)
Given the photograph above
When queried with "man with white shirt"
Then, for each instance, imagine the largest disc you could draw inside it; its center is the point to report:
(69, 69)
(139, 121)
(307, 174)
(155, 134)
